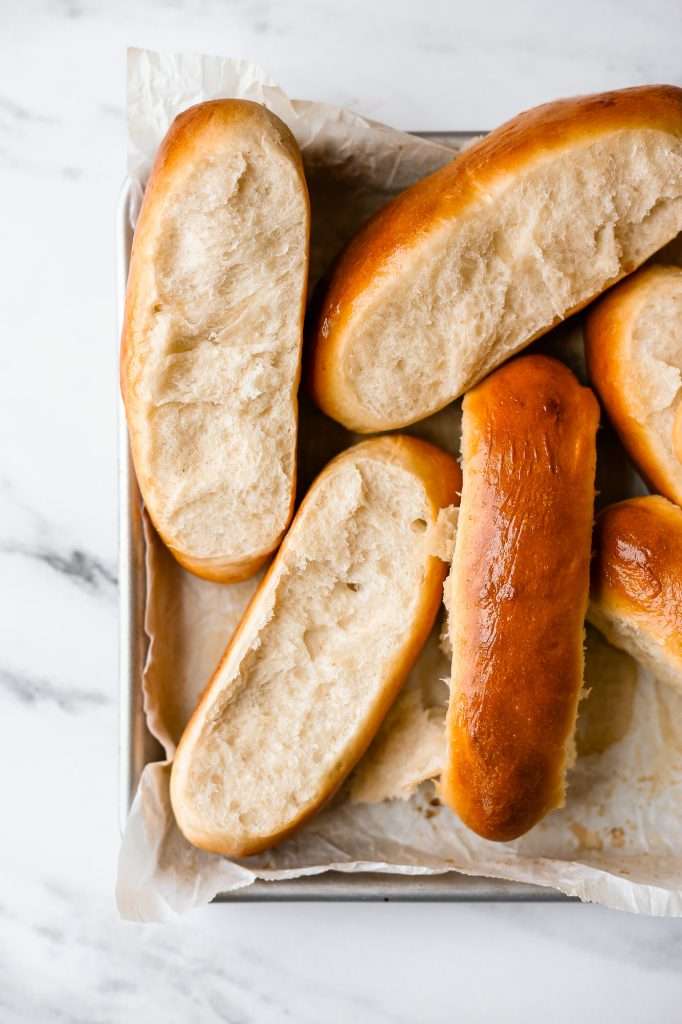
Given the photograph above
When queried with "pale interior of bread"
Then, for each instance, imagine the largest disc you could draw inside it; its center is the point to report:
(409, 750)
(630, 635)
(410, 746)
(441, 535)
(221, 350)
(653, 369)
(468, 295)
(304, 683)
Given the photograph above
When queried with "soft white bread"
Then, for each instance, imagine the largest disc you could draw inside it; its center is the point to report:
(321, 652)
(471, 264)
(409, 747)
(636, 591)
(211, 350)
(517, 594)
(633, 348)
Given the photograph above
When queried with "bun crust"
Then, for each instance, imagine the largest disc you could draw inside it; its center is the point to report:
(473, 263)
(321, 652)
(633, 347)
(636, 592)
(518, 593)
(211, 348)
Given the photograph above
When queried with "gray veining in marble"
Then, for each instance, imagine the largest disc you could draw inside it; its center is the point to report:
(32, 690)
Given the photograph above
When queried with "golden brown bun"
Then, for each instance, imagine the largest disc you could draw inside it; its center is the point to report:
(518, 593)
(633, 348)
(211, 349)
(636, 593)
(322, 650)
(471, 264)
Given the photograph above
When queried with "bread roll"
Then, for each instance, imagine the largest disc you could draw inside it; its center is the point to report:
(211, 348)
(636, 593)
(633, 347)
(471, 264)
(517, 594)
(321, 652)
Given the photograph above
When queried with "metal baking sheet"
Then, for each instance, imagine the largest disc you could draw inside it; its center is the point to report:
(138, 747)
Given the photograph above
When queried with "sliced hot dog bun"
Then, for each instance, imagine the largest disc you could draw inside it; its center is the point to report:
(322, 650)
(211, 348)
(471, 264)
(633, 347)
(636, 593)
(517, 594)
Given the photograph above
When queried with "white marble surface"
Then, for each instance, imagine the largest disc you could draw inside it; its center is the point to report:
(64, 955)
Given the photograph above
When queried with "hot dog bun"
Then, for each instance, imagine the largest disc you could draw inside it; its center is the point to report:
(517, 594)
(211, 347)
(633, 347)
(321, 652)
(471, 264)
(636, 593)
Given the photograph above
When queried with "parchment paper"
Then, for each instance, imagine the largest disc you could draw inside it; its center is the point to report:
(618, 840)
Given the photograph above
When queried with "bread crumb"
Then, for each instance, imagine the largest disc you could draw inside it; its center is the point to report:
(440, 537)
(587, 838)
(618, 838)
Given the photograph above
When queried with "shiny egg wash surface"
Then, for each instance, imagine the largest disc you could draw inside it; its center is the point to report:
(518, 594)
(638, 552)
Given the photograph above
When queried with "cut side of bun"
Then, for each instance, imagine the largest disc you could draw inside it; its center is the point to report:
(471, 264)
(409, 747)
(322, 651)
(636, 593)
(633, 347)
(517, 594)
(211, 349)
